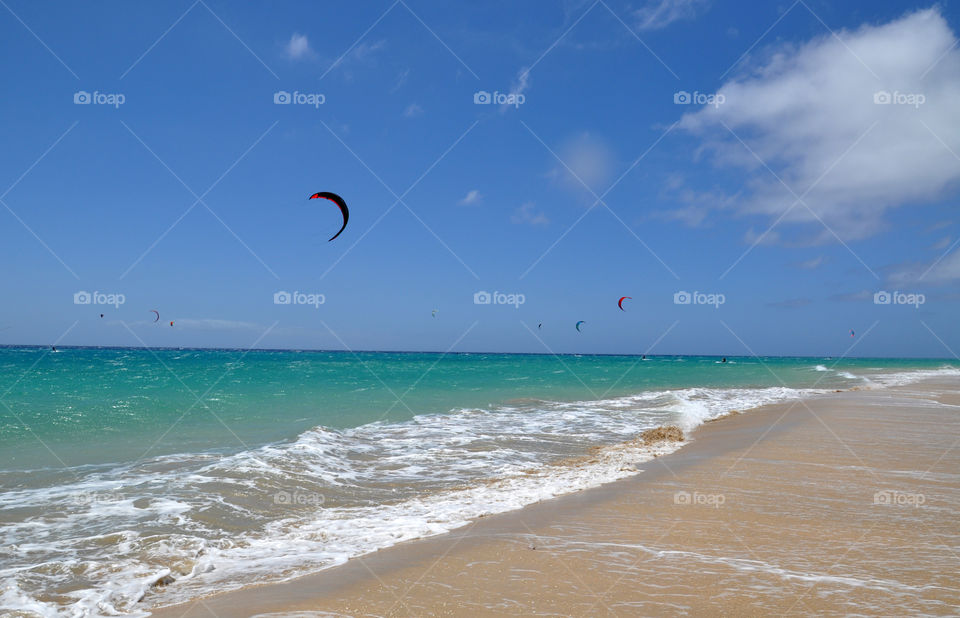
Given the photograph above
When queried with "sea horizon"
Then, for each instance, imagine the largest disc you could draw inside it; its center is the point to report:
(468, 352)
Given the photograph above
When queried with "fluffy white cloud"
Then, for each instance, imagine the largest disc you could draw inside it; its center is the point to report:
(809, 114)
(298, 47)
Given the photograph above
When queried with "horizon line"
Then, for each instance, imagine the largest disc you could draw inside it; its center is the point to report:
(447, 353)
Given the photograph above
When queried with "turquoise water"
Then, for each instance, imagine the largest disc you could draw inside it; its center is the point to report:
(220, 468)
(106, 405)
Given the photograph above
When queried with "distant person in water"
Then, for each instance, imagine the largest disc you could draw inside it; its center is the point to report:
(53, 348)
(724, 359)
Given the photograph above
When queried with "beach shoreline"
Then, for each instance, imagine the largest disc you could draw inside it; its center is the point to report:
(554, 556)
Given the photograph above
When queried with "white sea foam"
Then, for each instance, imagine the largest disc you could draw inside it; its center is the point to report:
(215, 523)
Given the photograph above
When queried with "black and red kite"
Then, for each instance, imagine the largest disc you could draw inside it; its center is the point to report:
(336, 199)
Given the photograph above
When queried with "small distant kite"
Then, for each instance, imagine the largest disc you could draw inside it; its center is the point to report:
(433, 314)
(578, 325)
(540, 325)
(152, 311)
(171, 323)
(101, 315)
(336, 199)
(852, 333)
(620, 302)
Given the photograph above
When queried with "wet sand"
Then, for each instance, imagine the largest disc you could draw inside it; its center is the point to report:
(846, 503)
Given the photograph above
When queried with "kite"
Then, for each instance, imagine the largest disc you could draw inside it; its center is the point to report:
(101, 315)
(336, 199)
(578, 325)
(620, 302)
(433, 314)
(171, 323)
(852, 333)
(540, 325)
(153, 311)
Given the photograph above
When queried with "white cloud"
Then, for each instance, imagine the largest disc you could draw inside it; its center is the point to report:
(813, 263)
(364, 55)
(804, 111)
(364, 52)
(693, 206)
(526, 215)
(657, 14)
(401, 80)
(412, 110)
(518, 87)
(762, 237)
(943, 270)
(587, 160)
(472, 197)
(298, 47)
(522, 81)
(572, 9)
(941, 244)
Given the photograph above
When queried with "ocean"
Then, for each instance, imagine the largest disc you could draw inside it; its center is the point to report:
(132, 478)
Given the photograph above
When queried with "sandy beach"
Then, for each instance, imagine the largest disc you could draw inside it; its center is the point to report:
(839, 504)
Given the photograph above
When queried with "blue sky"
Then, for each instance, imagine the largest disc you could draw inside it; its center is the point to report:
(792, 192)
